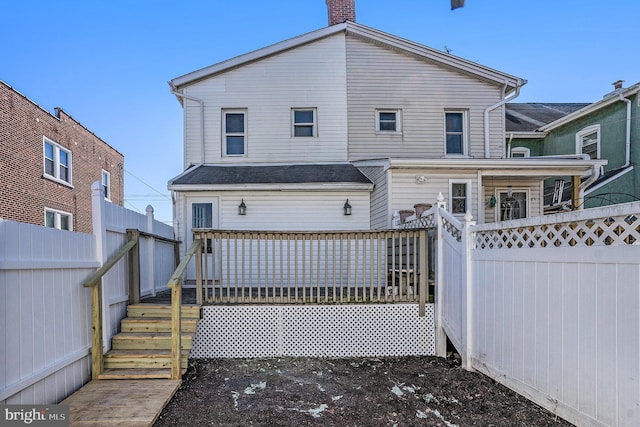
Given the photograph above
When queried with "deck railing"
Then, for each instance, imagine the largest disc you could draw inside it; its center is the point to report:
(312, 267)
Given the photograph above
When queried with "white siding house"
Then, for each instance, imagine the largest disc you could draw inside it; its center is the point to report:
(349, 115)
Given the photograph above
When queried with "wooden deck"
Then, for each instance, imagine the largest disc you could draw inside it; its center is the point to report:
(131, 403)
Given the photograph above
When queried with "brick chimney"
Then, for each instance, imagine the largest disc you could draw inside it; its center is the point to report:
(341, 11)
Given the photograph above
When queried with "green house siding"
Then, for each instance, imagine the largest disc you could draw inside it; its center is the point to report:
(612, 121)
(622, 190)
(534, 145)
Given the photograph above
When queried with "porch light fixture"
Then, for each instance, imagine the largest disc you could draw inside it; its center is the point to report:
(347, 208)
(242, 208)
(509, 191)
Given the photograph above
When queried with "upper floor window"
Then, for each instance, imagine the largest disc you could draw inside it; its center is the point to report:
(455, 135)
(106, 184)
(57, 161)
(234, 129)
(57, 219)
(588, 141)
(388, 121)
(460, 196)
(304, 122)
(520, 152)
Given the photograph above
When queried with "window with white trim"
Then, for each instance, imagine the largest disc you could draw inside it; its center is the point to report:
(234, 130)
(303, 122)
(520, 152)
(106, 184)
(455, 124)
(58, 219)
(388, 121)
(588, 141)
(57, 161)
(459, 196)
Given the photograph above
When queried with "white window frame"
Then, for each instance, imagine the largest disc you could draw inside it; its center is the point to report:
(397, 112)
(106, 184)
(588, 131)
(520, 150)
(465, 131)
(500, 190)
(225, 134)
(57, 149)
(57, 219)
(313, 124)
(468, 202)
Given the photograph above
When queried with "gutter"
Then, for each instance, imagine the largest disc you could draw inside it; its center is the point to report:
(201, 102)
(487, 148)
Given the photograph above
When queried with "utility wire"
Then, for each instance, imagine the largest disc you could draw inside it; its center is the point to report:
(164, 195)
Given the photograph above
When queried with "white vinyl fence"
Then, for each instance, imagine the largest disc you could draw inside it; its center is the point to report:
(45, 312)
(549, 306)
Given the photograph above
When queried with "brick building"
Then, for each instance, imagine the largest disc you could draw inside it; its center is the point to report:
(47, 165)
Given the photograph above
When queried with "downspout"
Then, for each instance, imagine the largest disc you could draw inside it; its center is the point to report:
(487, 150)
(201, 102)
(596, 169)
(509, 145)
(628, 131)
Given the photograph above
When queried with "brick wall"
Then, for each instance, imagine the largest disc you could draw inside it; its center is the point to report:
(341, 10)
(24, 190)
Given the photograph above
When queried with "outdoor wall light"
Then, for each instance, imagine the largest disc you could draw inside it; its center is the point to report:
(509, 191)
(242, 208)
(347, 208)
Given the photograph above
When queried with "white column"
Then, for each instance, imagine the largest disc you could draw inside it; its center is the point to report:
(150, 258)
(441, 337)
(467, 276)
(100, 234)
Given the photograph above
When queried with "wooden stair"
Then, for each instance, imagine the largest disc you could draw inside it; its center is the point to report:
(143, 347)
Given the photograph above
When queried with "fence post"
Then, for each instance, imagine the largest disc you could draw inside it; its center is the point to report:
(441, 337)
(150, 258)
(467, 275)
(99, 223)
(134, 267)
(424, 272)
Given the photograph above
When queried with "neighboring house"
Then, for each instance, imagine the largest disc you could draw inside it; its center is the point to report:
(48, 163)
(605, 130)
(349, 117)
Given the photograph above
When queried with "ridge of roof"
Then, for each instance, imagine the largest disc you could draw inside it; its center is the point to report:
(423, 51)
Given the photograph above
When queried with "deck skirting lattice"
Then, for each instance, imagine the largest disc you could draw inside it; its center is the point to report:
(371, 330)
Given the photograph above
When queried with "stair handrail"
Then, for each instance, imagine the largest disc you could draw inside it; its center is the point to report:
(175, 284)
(94, 282)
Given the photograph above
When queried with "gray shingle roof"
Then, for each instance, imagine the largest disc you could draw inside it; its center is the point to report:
(280, 174)
(529, 116)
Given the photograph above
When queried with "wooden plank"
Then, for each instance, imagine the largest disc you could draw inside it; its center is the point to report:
(120, 402)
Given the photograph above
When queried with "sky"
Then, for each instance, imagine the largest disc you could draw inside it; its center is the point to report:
(107, 63)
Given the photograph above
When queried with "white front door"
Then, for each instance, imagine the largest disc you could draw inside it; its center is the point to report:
(202, 212)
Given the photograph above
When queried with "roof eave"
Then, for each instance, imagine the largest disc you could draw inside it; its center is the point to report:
(334, 186)
(255, 55)
(590, 108)
(486, 73)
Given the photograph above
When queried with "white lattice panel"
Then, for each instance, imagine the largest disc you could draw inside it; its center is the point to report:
(314, 331)
(610, 231)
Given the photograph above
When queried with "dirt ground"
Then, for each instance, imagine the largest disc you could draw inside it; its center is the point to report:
(403, 391)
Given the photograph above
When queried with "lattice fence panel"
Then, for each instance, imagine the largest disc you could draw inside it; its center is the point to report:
(610, 231)
(315, 331)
